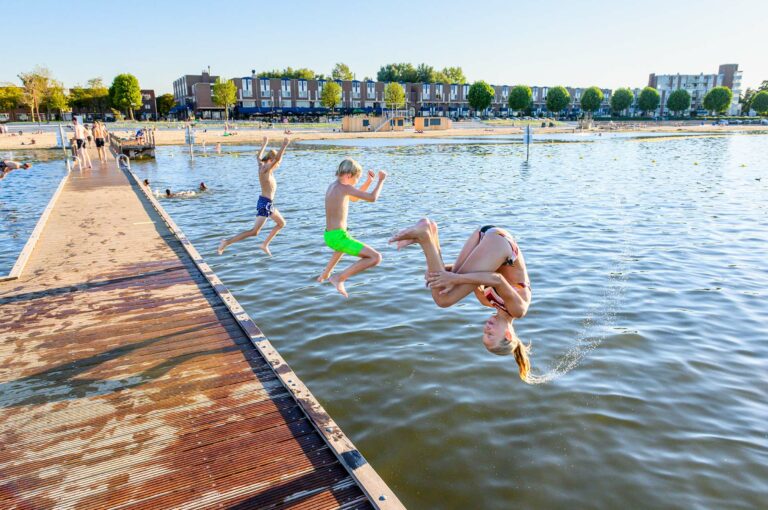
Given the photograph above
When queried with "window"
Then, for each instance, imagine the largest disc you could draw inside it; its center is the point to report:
(285, 103)
(320, 84)
(454, 91)
(247, 87)
(285, 88)
(355, 89)
(371, 93)
(302, 104)
(249, 104)
(504, 91)
(355, 104)
(302, 88)
(425, 91)
(264, 86)
(266, 103)
(366, 122)
(465, 91)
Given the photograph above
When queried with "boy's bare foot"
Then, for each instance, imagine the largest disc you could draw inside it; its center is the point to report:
(339, 285)
(419, 232)
(265, 248)
(222, 246)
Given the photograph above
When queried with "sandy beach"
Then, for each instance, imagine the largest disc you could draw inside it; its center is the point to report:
(47, 140)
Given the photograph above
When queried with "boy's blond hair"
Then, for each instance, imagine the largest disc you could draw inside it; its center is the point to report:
(271, 155)
(349, 167)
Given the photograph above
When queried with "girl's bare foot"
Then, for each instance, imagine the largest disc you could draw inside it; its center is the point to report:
(419, 232)
(222, 246)
(265, 248)
(323, 276)
(339, 285)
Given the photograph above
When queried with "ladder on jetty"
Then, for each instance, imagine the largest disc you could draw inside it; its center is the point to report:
(137, 147)
(130, 377)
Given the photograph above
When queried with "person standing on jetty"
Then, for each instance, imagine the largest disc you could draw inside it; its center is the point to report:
(265, 206)
(490, 265)
(337, 198)
(99, 136)
(82, 152)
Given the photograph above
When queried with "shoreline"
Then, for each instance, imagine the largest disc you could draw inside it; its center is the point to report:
(47, 140)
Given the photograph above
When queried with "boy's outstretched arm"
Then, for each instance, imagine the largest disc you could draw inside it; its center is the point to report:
(280, 153)
(367, 196)
(263, 148)
(366, 185)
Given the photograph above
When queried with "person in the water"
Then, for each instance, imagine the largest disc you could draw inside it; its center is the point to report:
(7, 166)
(203, 187)
(264, 207)
(490, 265)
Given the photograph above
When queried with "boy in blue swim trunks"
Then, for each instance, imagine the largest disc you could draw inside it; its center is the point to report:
(265, 207)
(336, 236)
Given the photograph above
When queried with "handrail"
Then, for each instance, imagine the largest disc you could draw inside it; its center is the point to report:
(122, 157)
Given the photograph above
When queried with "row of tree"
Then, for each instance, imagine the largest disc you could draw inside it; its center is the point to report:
(40, 91)
(398, 72)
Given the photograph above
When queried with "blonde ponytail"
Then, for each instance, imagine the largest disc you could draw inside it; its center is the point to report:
(523, 363)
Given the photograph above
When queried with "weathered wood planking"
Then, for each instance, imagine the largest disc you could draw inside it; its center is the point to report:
(126, 381)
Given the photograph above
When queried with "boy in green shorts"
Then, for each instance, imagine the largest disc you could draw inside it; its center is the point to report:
(337, 238)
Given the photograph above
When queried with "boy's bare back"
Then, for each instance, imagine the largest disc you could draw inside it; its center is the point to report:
(336, 205)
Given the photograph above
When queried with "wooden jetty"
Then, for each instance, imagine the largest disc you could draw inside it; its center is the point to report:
(142, 147)
(131, 378)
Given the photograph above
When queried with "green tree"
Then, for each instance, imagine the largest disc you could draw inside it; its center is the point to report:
(621, 100)
(330, 97)
(342, 72)
(224, 95)
(426, 74)
(591, 99)
(558, 99)
(35, 85)
(648, 100)
(718, 99)
(394, 95)
(289, 72)
(520, 97)
(760, 102)
(125, 93)
(679, 101)
(11, 97)
(480, 96)
(403, 72)
(453, 75)
(164, 104)
(54, 99)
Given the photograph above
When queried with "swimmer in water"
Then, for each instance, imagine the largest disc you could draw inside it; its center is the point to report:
(7, 166)
(490, 265)
(168, 194)
(264, 207)
(203, 187)
(146, 183)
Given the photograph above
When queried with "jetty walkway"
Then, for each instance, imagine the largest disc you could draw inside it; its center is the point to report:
(131, 378)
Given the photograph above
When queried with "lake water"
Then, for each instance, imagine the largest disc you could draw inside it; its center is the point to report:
(24, 194)
(647, 258)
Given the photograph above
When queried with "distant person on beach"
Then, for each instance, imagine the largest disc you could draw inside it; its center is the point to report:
(100, 135)
(218, 148)
(337, 238)
(265, 206)
(7, 166)
(491, 266)
(82, 152)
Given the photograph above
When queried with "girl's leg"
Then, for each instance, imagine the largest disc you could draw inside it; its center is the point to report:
(368, 258)
(279, 224)
(468, 248)
(243, 235)
(335, 258)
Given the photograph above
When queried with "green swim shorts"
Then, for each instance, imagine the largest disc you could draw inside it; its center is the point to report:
(340, 240)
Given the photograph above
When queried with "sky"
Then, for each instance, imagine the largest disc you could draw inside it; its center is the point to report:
(543, 42)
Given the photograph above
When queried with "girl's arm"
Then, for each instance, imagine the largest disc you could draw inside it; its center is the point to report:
(514, 303)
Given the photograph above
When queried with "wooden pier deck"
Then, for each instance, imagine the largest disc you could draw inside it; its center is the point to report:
(130, 378)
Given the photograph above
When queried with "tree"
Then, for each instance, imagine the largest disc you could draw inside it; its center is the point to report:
(591, 99)
(342, 72)
(54, 99)
(224, 95)
(289, 72)
(679, 101)
(330, 97)
(453, 75)
(621, 99)
(480, 96)
(394, 95)
(99, 95)
(402, 72)
(558, 99)
(520, 97)
(718, 99)
(35, 84)
(125, 93)
(11, 97)
(425, 74)
(164, 104)
(760, 102)
(648, 100)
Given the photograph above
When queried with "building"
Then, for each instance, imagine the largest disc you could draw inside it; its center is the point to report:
(148, 110)
(697, 85)
(193, 96)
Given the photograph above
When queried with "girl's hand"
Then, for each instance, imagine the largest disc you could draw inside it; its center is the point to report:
(442, 280)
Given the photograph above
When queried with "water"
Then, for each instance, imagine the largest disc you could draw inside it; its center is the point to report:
(24, 194)
(648, 321)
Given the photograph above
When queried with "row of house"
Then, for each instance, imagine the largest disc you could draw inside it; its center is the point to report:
(286, 96)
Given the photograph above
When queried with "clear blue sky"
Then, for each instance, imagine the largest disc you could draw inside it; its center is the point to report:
(544, 42)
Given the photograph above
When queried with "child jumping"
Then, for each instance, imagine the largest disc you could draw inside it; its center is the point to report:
(337, 238)
(264, 207)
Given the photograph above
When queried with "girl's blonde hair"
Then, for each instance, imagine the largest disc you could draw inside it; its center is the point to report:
(520, 351)
(271, 154)
(349, 167)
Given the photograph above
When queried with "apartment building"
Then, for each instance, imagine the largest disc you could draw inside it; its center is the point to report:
(193, 96)
(148, 110)
(697, 85)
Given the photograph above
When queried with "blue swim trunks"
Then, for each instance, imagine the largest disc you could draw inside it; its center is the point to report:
(264, 206)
